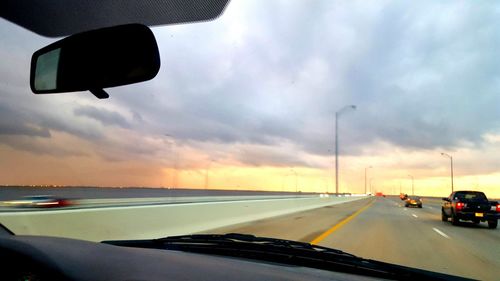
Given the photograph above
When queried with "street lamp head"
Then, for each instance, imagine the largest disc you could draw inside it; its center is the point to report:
(345, 108)
(446, 154)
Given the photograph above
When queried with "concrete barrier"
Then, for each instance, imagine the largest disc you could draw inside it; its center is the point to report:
(153, 221)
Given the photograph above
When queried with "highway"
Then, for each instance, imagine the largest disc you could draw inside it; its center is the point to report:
(376, 227)
(383, 229)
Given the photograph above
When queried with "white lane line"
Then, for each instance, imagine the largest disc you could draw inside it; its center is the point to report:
(441, 233)
(405, 209)
(414, 215)
(430, 207)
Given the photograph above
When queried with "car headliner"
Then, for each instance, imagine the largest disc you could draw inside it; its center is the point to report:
(54, 18)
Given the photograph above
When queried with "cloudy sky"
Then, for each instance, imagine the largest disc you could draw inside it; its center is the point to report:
(248, 101)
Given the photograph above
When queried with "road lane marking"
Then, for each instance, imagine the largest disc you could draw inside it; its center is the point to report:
(441, 233)
(430, 207)
(414, 215)
(340, 224)
(405, 209)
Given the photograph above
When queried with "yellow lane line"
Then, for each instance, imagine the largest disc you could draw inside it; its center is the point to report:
(340, 224)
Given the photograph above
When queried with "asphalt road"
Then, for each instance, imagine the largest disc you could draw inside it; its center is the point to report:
(383, 229)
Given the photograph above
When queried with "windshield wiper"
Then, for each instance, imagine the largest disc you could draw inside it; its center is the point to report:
(284, 252)
(233, 239)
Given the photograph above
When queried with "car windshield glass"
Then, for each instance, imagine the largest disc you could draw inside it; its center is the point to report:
(314, 121)
(471, 196)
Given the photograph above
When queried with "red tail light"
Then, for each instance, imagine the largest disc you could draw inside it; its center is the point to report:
(64, 203)
(460, 206)
(498, 208)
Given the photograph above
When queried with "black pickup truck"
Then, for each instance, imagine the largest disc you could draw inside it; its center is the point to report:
(470, 206)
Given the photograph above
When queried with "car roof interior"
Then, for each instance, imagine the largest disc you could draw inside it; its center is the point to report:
(55, 18)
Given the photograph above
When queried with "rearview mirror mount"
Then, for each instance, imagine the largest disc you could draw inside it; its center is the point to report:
(95, 60)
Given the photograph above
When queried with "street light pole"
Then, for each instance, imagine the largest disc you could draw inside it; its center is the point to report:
(207, 175)
(451, 164)
(336, 154)
(173, 144)
(296, 190)
(337, 115)
(412, 185)
(366, 168)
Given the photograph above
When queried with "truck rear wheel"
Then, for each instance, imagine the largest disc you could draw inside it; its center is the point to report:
(492, 224)
(454, 219)
(443, 216)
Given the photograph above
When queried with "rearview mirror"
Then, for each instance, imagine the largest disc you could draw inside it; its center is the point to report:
(96, 59)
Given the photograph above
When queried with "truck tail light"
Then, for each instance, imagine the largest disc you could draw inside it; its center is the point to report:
(460, 206)
(498, 208)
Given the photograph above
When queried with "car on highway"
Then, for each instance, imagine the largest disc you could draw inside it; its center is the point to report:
(413, 201)
(40, 201)
(403, 196)
(470, 206)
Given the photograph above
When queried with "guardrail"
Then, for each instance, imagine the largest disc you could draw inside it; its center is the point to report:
(152, 221)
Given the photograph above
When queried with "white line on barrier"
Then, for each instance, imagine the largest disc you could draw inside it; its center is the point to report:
(175, 205)
(414, 215)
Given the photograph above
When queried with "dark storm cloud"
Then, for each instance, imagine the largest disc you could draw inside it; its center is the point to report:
(423, 76)
(430, 82)
(15, 123)
(105, 117)
(41, 148)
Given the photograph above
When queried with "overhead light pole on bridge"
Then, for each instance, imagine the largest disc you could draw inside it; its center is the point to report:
(451, 169)
(337, 115)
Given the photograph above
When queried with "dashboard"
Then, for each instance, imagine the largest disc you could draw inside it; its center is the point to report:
(53, 258)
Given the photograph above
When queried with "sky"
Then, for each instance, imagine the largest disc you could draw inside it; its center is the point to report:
(248, 101)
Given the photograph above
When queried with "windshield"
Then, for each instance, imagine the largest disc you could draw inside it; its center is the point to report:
(301, 120)
(471, 195)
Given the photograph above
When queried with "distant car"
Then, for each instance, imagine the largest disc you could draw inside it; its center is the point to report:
(413, 201)
(470, 206)
(40, 201)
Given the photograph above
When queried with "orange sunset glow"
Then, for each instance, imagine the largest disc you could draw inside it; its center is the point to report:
(388, 173)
